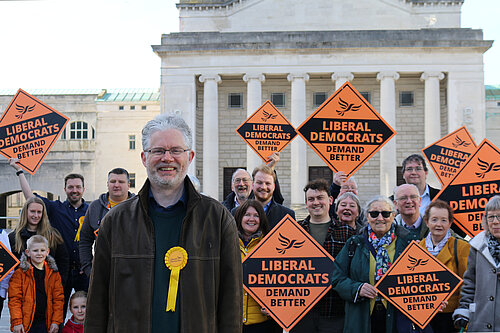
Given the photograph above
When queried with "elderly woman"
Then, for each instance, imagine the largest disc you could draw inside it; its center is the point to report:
(449, 250)
(362, 262)
(252, 227)
(348, 209)
(480, 295)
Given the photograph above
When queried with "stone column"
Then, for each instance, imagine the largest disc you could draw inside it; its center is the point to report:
(298, 167)
(254, 101)
(340, 78)
(432, 107)
(210, 185)
(388, 161)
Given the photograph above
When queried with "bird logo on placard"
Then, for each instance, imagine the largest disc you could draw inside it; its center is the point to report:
(267, 116)
(486, 167)
(23, 109)
(346, 107)
(416, 262)
(288, 244)
(459, 142)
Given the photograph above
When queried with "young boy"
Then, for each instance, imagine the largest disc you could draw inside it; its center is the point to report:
(77, 307)
(36, 295)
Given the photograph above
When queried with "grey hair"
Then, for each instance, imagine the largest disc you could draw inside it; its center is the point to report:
(493, 204)
(348, 195)
(379, 198)
(398, 187)
(352, 179)
(240, 169)
(163, 122)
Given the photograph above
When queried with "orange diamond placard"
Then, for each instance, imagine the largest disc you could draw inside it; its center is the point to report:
(267, 131)
(28, 129)
(447, 155)
(288, 272)
(345, 131)
(417, 283)
(8, 261)
(471, 188)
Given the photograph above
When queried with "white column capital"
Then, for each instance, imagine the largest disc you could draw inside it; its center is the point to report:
(293, 76)
(428, 75)
(388, 75)
(344, 76)
(259, 77)
(207, 77)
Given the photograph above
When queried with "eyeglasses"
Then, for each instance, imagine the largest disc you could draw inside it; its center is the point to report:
(491, 218)
(176, 151)
(410, 169)
(411, 197)
(375, 213)
(238, 180)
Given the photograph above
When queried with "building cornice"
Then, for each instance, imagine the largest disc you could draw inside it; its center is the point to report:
(283, 40)
(218, 4)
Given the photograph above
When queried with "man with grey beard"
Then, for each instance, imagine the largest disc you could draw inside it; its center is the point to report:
(168, 231)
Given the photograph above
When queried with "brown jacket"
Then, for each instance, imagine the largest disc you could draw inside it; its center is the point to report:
(22, 294)
(121, 283)
(447, 257)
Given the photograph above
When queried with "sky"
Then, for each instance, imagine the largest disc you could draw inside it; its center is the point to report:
(83, 44)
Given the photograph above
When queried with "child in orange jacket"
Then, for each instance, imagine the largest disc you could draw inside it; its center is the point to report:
(36, 295)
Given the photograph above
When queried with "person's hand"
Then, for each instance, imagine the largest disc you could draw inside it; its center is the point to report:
(461, 322)
(368, 291)
(339, 178)
(444, 304)
(18, 328)
(13, 163)
(273, 159)
(264, 311)
(53, 328)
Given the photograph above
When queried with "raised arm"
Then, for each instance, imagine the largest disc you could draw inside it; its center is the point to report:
(25, 187)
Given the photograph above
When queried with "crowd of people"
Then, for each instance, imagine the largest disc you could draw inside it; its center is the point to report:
(128, 250)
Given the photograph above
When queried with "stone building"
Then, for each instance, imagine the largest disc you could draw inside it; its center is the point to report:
(493, 114)
(410, 58)
(104, 132)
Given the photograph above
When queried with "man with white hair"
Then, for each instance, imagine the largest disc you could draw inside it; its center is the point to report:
(407, 201)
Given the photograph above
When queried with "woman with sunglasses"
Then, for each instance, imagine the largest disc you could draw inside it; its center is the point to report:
(480, 296)
(252, 227)
(362, 262)
(451, 251)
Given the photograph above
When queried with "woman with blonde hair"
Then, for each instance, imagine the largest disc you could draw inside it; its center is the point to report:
(34, 221)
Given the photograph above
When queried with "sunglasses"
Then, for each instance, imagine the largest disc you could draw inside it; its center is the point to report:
(375, 213)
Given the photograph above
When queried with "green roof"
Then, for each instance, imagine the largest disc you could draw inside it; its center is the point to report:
(102, 95)
(492, 92)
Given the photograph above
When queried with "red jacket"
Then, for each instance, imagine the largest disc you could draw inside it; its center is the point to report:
(72, 327)
(22, 294)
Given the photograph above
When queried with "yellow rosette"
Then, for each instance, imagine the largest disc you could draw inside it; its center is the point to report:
(175, 259)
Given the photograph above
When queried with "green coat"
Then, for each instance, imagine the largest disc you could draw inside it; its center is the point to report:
(357, 314)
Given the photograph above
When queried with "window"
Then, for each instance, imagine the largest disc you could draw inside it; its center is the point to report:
(319, 98)
(367, 95)
(498, 103)
(406, 98)
(325, 173)
(132, 107)
(235, 100)
(63, 134)
(143, 107)
(121, 107)
(278, 99)
(79, 130)
(131, 142)
(132, 180)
